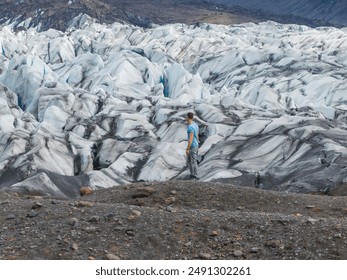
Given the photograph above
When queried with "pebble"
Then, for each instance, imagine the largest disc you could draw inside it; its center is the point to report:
(136, 213)
(139, 202)
(188, 244)
(112, 257)
(297, 251)
(55, 202)
(32, 214)
(205, 256)
(129, 232)
(5, 202)
(312, 221)
(73, 222)
(131, 218)
(254, 250)
(169, 209)
(310, 206)
(94, 219)
(173, 192)
(143, 192)
(10, 217)
(170, 200)
(90, 229)
(238, 254)
(37, 205)
(74, 247)
(86, 191)
(282, 221)
(214, 233)
(273, 243)
(298, 215)
(108, 215)
(338, 235)
(84, 204)
(240, 208)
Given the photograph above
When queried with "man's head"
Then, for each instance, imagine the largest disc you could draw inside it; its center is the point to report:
(190, 117)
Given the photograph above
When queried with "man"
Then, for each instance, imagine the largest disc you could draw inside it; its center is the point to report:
(193, 145)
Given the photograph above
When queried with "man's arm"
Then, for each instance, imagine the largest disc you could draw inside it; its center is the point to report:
(190, 141)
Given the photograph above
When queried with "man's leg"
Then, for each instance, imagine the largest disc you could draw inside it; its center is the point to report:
(189, 161)
(193, 154)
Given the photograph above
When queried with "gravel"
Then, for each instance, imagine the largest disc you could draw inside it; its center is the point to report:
(203, 224)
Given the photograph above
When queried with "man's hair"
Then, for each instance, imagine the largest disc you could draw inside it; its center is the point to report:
(190, 116)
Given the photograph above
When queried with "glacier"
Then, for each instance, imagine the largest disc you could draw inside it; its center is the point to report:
(105, 105)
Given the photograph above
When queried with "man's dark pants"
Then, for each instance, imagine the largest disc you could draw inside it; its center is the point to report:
(193, 161)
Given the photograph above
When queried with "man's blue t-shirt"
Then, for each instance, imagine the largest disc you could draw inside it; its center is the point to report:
(195, 129)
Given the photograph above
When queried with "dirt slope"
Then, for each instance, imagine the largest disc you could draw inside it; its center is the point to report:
(174, 220)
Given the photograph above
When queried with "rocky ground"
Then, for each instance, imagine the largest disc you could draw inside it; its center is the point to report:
(174, 220)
